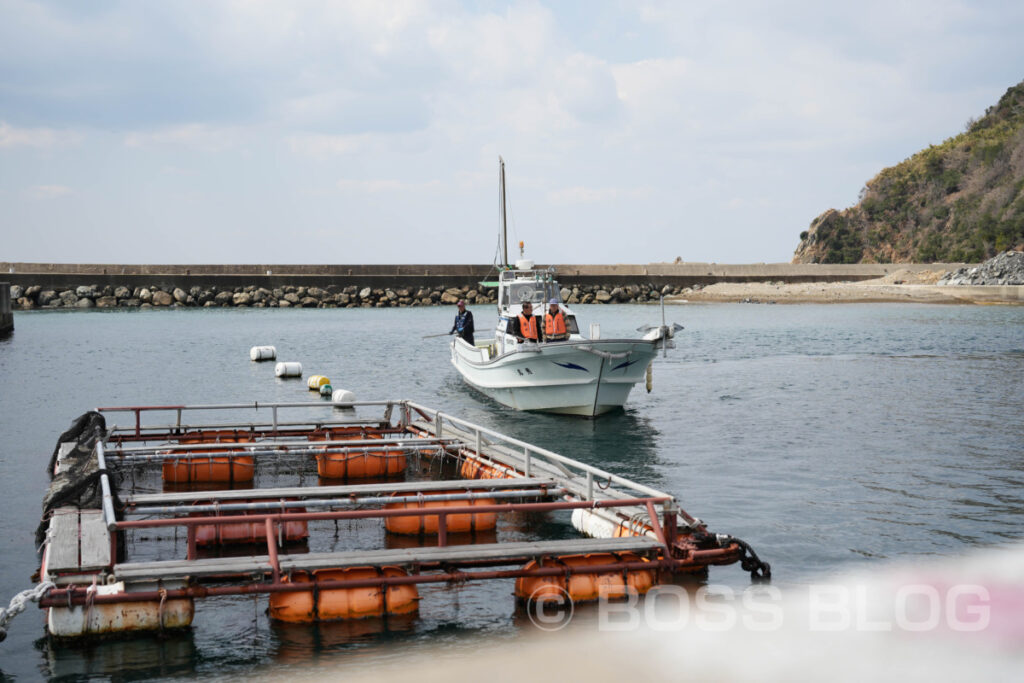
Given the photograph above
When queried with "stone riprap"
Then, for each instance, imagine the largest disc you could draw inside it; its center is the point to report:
(1006, 268)
(94, 296)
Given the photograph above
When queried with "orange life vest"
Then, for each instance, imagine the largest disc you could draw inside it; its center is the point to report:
(554, 325)
(528, 327)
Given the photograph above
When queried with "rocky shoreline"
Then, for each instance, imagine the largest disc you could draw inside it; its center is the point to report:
(94, 296)
(1003, 272)
(1006, 268)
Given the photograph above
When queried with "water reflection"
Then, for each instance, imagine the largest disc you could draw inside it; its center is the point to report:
(298, 642)
(144, 656)
(624, 442)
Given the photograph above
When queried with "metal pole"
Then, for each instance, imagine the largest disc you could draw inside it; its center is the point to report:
(272, 550)
(80, 595)
(108, 501)
(402, 512)
(339, 502)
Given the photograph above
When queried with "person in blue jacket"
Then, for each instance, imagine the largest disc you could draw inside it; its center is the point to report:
(463, 325)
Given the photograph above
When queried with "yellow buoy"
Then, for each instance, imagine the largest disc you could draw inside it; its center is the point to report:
(316, 381)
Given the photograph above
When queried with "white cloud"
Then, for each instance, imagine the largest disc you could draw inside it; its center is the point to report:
(384, 186)
(319, 146)
(11, 136)
(197, 136)
(45, 192)
(591, 195)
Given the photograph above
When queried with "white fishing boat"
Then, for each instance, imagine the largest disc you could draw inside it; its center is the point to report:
(575, 376)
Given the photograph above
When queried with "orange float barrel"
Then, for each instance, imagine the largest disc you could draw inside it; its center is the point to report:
(331, 604)
(225, 467)
(428, 524)
(360, 464)
(238, 533)
(584, 587)
(474, 469)
(221, 469)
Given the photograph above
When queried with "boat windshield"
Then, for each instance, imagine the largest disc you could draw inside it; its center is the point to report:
(534, 292)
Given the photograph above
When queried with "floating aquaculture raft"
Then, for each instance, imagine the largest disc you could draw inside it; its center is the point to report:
(186, 503)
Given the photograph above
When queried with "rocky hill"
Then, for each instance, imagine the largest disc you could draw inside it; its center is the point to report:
(960, 201)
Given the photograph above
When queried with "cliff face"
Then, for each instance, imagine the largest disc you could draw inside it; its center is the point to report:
(961, 201)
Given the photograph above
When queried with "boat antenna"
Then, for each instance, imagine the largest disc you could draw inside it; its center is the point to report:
(501, 204)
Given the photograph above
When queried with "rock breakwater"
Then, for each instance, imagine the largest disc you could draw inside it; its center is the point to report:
(1006, 268)
(95, 296)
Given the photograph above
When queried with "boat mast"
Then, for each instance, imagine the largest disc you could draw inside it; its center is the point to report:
(501, 204)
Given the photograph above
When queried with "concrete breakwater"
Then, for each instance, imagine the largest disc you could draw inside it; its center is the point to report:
(42, 285)
(94, 296)
(6, 316)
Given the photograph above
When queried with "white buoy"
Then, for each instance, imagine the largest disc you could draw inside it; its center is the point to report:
(262, 353)
(288, 369)
(316, 381)
(343, 396)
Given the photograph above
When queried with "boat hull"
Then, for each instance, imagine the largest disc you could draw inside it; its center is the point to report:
(587, 377)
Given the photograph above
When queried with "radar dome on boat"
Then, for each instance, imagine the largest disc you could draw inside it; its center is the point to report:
(524, 264)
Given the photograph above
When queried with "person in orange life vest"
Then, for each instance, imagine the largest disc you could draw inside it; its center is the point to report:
(463, 325)
(554, 323)
(525, 326)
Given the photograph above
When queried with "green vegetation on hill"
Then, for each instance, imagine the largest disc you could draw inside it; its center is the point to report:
(960, 201)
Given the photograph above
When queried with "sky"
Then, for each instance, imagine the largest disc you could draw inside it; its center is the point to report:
(369, 132)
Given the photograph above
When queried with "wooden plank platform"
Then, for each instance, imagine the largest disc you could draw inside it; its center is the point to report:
(95, 539)
(79, 541)
(63, 540)
(336, 491)
(179, 569)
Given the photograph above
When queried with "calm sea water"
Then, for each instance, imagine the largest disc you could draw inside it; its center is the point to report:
(829, 437)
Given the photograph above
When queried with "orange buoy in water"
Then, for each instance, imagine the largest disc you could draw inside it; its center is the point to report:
(216, 436)
(247, 532)
(330, 604)
(474, 469)
(357, 465)
(225, 467)
(428, 524)
(220, 468)
(587, 587)
(360, 465)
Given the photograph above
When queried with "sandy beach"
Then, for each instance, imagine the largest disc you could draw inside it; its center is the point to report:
(901, 286)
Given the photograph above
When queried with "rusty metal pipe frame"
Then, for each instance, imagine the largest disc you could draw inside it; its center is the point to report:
(287, 429)
(138, 410)
(404, 439)
(343, 501)
(401, 512)
(78, 596)
(204, 451)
